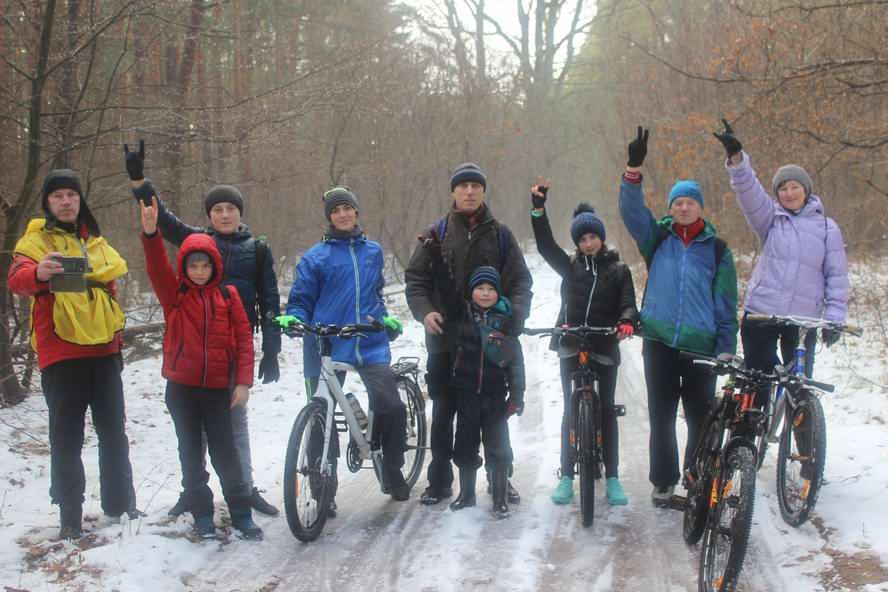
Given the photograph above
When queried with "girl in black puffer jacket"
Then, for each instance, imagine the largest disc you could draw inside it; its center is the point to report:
(596, 290)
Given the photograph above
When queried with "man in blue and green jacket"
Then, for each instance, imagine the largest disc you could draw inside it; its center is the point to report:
(690, 303)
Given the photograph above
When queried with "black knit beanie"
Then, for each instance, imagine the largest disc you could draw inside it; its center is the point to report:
(466, 173)
(224, 194)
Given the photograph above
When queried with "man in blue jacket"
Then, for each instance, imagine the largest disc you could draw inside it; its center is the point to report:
(249, 267)
(339, 281)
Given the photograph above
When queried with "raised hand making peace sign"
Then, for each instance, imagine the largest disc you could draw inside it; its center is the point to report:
(638, 148)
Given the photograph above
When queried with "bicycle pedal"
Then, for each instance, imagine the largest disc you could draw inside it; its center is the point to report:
(678, 502)
(620, 410)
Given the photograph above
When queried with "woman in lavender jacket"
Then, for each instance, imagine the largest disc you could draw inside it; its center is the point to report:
(802, 269)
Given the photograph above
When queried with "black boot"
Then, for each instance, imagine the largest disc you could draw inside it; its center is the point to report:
(499, 484)
(512, 494)
(398, 487)
(433, 495)
(466, 497)
(180, 507)
(242, 521)
(258, 503)
(70, 516)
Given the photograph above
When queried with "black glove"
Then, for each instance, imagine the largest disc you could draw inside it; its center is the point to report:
(269, 370)
(135, 162)
(729, 140)
(432, 245)
(514, 405)
(539, 201)
(830, 337)
(638, 148)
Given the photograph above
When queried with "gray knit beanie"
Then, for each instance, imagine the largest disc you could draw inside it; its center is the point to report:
(337, 197)
(792, 172)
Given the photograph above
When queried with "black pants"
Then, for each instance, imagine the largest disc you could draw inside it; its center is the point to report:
(481, 418)
(70, 386)
(389, 413)
(193, 408)
(668, 381)
(607, 386)
(760, 342)
(444, 406)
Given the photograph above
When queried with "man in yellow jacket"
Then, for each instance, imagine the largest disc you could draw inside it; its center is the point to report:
(68, 270)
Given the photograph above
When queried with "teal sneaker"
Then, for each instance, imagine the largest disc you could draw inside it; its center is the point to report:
(564, 492)
(615, 494)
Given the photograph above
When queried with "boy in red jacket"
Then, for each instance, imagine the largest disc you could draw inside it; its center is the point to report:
(207, 347)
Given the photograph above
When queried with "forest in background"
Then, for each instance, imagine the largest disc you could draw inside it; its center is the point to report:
(286, 98)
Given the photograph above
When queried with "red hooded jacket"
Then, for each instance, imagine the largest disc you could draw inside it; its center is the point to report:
(208, 342)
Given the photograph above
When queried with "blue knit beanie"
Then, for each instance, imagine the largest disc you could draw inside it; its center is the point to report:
(686, 188)
(465, 173)
(485, 275)
(584, 222)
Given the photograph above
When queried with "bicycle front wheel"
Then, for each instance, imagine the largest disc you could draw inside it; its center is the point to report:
(309, 481)
(417, 429)
(586, 460)
(697, 506)
(801, 458)
(727, 531)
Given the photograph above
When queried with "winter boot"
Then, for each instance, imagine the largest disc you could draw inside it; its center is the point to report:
(564, 493)
(466, 497)
(180, 507)
(513, 495)
(204, 527)
(258, 503)
(242, 521)
(132, 512)
(398, 487)
(499, 489)
(433, 495)
(331, 511)
(70, 517)
(662, 495)
(615, 494)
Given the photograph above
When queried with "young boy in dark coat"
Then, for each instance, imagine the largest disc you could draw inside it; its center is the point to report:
(596, 290)
(487, 374)
(208, 345)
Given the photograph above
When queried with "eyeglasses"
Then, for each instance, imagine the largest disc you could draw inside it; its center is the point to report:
(334, 190)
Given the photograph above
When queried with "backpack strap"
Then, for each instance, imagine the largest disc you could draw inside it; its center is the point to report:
(503, 236)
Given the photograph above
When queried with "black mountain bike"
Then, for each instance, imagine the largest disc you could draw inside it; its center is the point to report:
(720, 474)
(585, 407)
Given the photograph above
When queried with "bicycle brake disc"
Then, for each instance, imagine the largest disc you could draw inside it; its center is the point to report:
(353, 459)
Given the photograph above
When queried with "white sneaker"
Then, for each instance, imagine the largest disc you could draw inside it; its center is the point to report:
(661, 496)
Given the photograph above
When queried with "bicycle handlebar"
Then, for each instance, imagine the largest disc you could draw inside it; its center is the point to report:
(805, 322)
(579, 331)
(343, 331)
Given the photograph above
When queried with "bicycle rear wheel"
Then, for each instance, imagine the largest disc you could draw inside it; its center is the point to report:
(801, 458)
(697, 508)
(308, 491)
(727, 531)
(417, 429)
(586, 460)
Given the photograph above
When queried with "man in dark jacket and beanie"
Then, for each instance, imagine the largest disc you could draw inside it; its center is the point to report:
(248, 266)
(470, 238)
(75, 330)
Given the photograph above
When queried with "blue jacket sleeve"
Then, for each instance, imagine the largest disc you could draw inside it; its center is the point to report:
(638, 218)
(305, 290)
(173, 229)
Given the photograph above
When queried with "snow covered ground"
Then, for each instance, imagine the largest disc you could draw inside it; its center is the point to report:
(378, 544)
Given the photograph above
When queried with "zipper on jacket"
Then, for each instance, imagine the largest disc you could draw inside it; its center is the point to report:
(203, 299)
(481, 357)
(351, 248)
(592, 291)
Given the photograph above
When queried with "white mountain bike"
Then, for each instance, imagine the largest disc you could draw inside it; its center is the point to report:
(310, 479)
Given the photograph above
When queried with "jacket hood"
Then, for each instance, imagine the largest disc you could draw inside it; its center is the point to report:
(199, 242)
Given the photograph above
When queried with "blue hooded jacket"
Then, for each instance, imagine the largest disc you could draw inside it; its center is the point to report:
(339, 281)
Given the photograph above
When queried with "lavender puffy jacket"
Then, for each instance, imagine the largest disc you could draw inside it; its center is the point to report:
(802, 269)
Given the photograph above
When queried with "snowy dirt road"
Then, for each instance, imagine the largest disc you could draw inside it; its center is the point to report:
(377, 544)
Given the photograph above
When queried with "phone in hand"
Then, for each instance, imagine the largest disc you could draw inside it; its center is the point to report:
(73, 264)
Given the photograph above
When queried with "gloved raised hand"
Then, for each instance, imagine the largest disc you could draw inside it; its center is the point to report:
(625, 330)
(432, 245)
(269, 369)
(393, 327)
(538, 193)
(135, 162)
(515, 405)
(638, 148)
(830, 337)
(729, 140)
(286, 321)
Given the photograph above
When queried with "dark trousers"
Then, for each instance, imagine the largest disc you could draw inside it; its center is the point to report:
(70, 386)
(607, 386)
(668, 381)
(444, 406)
(481, 418)
(192, 409)
(760, 342)
(389, 413)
